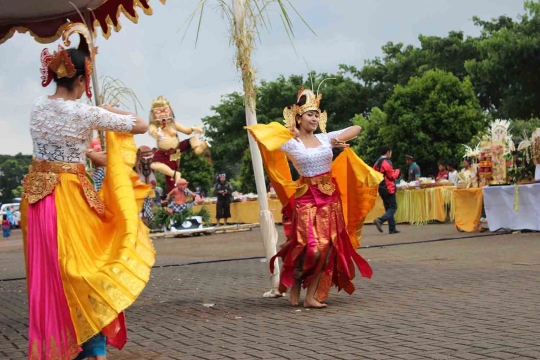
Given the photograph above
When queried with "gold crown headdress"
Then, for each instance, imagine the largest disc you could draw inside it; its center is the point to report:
(312, 104)
(60, 63)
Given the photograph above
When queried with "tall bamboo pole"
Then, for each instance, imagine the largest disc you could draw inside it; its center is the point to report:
(95, 80)
(268, 228)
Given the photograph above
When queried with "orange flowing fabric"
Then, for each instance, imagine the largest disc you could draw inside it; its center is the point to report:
(104, 261)
(357, 182)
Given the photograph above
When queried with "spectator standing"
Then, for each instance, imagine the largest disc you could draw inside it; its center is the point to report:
(387, 190)
(414, 170)
(452, 173)
(443, 172)
(6, 227)
(223, 190)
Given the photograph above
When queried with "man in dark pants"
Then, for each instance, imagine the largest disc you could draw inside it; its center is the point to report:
(387, 190)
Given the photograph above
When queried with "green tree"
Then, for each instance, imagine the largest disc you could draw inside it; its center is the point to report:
(246, 174)
(197, 169)
(506, 76)
(247, 178)
(370, 140)
(431, 117)
(12, 172)
(343, 97)
(399, 63)
(225, 130)
(518, 127)
(17, 192)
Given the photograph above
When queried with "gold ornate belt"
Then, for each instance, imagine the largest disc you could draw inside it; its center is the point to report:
(323, 182)
(44, 176)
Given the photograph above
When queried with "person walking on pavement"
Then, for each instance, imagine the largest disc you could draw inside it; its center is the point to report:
(387, 190)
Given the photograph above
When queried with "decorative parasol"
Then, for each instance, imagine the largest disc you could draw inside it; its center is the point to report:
(45, 20)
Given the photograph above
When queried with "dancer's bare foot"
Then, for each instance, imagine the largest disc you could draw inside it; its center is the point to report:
(294, 296)
(314, 304)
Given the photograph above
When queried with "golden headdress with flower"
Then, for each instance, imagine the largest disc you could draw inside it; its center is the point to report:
(60, 63)
(312, 104)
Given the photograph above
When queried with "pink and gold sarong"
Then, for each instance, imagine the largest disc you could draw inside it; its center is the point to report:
(88, 254)
(318, 240)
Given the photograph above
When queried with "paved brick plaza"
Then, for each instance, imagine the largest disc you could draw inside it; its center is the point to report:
(473, 298)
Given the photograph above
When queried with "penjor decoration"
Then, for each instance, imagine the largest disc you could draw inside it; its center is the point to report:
(165, 129)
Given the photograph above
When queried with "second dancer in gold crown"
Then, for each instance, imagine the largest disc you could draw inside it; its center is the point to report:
(327, 205)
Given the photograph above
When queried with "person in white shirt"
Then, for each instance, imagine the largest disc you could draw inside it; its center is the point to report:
(452, 173)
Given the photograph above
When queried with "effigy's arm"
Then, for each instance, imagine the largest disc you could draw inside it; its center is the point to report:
(187, 130)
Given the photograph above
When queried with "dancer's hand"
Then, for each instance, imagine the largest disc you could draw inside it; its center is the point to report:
(110, 106)
(336, 143)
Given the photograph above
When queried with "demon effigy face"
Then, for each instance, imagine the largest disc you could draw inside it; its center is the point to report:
(143, 165)
(162, 113)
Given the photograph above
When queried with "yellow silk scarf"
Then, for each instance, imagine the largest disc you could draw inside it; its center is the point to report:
(357, 182)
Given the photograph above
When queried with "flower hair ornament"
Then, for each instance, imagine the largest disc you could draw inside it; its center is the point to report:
(312, 104)
(60, 63)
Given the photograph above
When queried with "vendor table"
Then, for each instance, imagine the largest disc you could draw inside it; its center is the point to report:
(513, 207)
(245, 212)
(467, 208)
(417, 206)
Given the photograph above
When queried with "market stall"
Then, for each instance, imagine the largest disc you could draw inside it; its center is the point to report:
(415, 206)
(502, 164)
(246, 212)
(419, 206)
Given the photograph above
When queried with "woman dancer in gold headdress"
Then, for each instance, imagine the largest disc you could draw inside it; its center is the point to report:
(88, 254)
(327, 205)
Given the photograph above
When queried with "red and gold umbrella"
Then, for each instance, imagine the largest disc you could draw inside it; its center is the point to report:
(45, 20)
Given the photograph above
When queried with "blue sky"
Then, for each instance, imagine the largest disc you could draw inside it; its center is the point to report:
(151, 58)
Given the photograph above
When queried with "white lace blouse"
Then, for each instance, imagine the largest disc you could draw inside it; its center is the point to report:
(61, 130)
(310, 162)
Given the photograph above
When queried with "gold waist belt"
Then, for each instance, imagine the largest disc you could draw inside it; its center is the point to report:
(323, 182)
(44, 176)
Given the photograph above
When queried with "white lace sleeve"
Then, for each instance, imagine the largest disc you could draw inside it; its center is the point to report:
(335, 134)
(101, 119)
(289, 146)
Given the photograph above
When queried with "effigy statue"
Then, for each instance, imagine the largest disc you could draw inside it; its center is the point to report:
(143, 165)
(164, 129)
